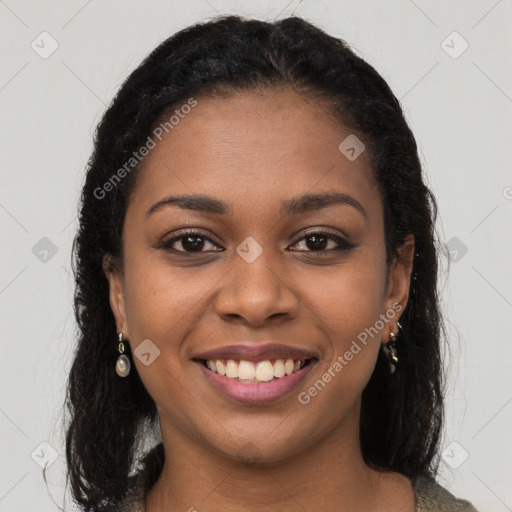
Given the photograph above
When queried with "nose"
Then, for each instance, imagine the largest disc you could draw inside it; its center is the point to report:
(254, 293)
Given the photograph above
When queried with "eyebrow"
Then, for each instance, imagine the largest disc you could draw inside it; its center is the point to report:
(298, 205)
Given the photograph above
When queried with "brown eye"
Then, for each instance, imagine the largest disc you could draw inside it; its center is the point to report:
(189, 242)
(318, 241)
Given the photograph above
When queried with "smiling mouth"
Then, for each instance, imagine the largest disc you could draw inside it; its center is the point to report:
(255, 371)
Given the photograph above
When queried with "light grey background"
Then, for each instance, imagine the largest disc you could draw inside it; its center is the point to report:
(459, 109)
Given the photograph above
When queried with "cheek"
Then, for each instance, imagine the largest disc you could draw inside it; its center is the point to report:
(160, 300)
(346, 300)
(347, 305)
(351, 354)
(163, 305)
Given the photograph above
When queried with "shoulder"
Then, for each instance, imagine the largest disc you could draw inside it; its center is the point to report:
(430, 497)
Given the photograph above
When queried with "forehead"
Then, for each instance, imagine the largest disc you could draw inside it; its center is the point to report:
(252, 148)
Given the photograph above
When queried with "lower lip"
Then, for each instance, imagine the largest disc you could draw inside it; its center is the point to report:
(256, 392)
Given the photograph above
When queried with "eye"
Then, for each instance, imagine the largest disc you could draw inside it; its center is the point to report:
(190, 242)
(318, 240)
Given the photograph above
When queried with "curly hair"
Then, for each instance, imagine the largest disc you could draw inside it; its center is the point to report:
(402, 413)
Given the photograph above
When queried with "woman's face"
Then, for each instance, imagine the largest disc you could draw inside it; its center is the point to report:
(269, 270)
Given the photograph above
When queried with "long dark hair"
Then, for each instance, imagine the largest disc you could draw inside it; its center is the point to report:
(402, 413)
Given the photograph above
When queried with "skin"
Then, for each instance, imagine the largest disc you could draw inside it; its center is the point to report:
(253, 150)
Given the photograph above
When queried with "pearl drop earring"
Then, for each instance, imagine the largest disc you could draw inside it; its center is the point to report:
(123, 363)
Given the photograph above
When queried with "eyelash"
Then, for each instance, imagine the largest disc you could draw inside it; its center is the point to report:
(343, 245)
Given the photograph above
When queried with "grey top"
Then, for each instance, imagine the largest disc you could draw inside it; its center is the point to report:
(429, 496)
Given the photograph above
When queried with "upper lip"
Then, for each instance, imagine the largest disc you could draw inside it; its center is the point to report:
(260, 352)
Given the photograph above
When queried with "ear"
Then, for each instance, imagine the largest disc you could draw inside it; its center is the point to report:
(399, 278)
(114, 275)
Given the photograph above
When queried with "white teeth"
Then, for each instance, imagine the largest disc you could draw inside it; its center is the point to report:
(279, 368)
(262, 371)
(221, 369)
(232, 369)
(246, 371)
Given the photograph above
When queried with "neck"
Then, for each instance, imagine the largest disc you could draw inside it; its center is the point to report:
(326, 476)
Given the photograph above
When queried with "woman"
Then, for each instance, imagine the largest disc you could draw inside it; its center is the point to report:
(256, 278)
